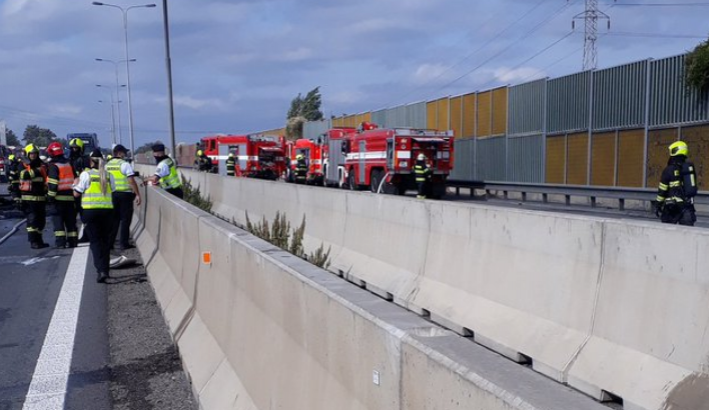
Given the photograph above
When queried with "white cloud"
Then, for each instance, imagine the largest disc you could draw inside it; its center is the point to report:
(196, 103)
(66, 109)
(517, 75)
(428, 73)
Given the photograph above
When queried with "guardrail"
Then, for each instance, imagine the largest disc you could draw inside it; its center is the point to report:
(568, 191)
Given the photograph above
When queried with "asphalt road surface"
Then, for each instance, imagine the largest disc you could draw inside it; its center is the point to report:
(67, 342)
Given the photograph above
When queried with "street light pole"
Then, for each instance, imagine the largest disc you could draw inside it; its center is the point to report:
(125, 30)
(117, 102)
(168, 64)
(113, 121)
(118, 97)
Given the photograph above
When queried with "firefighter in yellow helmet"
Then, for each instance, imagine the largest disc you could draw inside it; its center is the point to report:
(203, 162)
(301, 169)
(33, 193)
(231, 165)
(13, 174)
(422, 173)
(678, 186)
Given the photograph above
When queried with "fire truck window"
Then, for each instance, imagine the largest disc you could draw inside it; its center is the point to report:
(346, 147)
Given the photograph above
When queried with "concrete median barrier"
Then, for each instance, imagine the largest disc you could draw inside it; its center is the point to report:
(649, 342)
(264, 329)
(616, 309)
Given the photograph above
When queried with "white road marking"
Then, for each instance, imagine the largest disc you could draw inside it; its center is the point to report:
(49, 383)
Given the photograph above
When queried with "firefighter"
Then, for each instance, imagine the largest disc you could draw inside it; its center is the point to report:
(301, 169)
(33, 194)
(123, 196)
(13, 174)
(60, 198)
(204, 164)
(678, 186)
(231, 165)
(423, 176)
(94, 188)
(76, 155)
(166, 173)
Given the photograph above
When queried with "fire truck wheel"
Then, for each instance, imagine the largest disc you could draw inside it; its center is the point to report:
(351, 182)
(375, 179)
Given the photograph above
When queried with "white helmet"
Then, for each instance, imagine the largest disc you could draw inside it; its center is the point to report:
(421, 157)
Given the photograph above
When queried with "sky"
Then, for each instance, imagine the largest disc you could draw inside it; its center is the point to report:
(236, 65)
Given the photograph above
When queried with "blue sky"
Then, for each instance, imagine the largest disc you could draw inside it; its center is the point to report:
(238, 64)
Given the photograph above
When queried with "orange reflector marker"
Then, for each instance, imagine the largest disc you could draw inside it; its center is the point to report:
(207, 258)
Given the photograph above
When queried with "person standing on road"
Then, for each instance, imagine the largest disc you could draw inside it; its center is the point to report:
(677, 188)
(231, 165)
(33, 194)
(423, 175)
(60, 198)
(166, 173)
(79, 161)
(95, 187)
(123, 196)
(13, 174)
(301, 169)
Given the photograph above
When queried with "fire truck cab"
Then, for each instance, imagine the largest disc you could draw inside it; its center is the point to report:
(257, 156)
(313, 151)
(383, 159)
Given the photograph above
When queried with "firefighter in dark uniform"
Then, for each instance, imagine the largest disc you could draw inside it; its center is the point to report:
(94, 188)
(13, 174)
(301, 169)
(204, 163)
(123, 196)
(231, 165)
(60, 197)
(166, 173)
(678, 186)
(76, 155)
(80, 162)
(33, 193)
(422, 172)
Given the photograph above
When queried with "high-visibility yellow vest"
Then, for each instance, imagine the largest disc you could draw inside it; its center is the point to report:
(92, 198)
(121, 181)
(172, 181)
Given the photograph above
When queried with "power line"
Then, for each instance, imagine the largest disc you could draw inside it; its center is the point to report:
(535, 55)
(519, 39)
(654, 35)
(473, 53)
(663, 4)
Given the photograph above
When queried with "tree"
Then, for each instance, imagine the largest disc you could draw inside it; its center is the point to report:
(12, 139)
(696, 71)
(303, 109)
(40, 137)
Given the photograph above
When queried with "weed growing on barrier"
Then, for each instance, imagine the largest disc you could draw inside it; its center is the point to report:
(194, 196)
(280, 234)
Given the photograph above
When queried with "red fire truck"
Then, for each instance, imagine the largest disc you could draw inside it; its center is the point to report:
(389, 155)
(313, 151)
(258, 156)
(334, 161)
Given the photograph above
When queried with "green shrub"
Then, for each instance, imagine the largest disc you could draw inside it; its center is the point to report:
(696, 72)
(194, 196)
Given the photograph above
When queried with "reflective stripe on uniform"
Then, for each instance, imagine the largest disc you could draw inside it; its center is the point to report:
(34, 198)
(121, 181)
